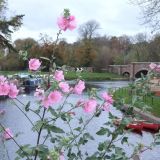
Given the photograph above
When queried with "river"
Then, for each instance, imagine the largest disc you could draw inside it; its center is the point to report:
(14, 119)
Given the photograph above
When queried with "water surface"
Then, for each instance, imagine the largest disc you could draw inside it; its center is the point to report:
(18, 123)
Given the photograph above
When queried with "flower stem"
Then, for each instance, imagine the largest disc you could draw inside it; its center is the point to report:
(39, 133)
(75, 140)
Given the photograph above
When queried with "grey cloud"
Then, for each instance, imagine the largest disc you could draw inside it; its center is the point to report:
(115, 16)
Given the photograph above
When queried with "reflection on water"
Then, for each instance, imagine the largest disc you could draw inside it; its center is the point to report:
(18, 123)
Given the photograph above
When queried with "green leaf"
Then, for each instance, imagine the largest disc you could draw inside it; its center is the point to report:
(102, 146)
(53, 112)
(124, 140)
(64, 117)
(45, 58)
(56, 129)
(26, 151)
(27, 106)
(37, 126)
(88, 136)
(80, 120)
(102, 131)
(1, 129)
(82, 140)
(77, 129)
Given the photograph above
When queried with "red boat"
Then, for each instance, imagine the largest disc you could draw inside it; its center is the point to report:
(135, 127)
(139, 125)
(151, 126)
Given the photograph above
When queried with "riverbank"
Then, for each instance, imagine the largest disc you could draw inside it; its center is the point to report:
(88, 76)
(152, 101)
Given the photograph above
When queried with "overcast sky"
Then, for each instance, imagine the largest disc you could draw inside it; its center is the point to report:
(116, 17)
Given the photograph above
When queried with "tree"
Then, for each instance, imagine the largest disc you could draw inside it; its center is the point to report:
(154, 49)
(7, 26)
(140, 48)
(87, 32)
(151, 12)
(89, 29)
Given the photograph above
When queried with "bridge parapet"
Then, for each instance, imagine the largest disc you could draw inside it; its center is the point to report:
(132, 70)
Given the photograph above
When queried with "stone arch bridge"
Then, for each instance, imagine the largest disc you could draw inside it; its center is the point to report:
(132, 70)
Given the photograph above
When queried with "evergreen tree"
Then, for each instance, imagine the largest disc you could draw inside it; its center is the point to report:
(7, 26)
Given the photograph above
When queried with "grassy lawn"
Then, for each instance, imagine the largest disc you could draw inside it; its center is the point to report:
(89, 76)
(73, 75)
(153, 102)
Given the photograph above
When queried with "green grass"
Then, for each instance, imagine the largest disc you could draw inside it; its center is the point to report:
(73, 75)
(89, 76)
(152, 101)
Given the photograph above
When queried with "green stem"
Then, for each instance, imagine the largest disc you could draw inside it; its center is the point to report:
(75, 140)
(29, 108)
(39, 133)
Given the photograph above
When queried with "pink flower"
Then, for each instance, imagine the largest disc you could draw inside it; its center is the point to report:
(90, 105)
(55, 96)
(2, 79)
(4, 89)
(78, 89)
(34, 64)
(108, 98)
(106, 106)
(64, 87)
(61, 156)
(66, 23)
(158, 68)
(13, 92)
(7, 134)
(59, 75)
(46, 102)
(152, 66)
(39, 93)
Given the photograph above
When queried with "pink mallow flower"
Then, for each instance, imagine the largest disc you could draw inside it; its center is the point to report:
(78, 89)
(158, 68)
(34, 64)
(46, 102)
(2, 79)
(65, 23)
(64, 87)
(13, 92)
(4, 89)
(59, 76)
(90, 105)
(54, 96)
(7, 134)
(39, 93)
(152, 66)
(108, 98)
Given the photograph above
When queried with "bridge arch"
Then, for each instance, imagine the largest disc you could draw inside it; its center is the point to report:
(143, 71)
(126, 74)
